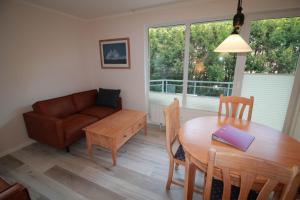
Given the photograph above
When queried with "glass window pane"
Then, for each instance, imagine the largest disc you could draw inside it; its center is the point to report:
(210, 73)
(270, 68)
(166, 48)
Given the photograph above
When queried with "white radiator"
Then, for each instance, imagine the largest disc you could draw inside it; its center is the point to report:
(156, 115)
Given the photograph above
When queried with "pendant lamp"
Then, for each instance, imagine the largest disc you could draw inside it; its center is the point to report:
(234, 43)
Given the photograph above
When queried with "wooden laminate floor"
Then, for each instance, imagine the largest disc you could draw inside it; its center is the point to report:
(141, 171)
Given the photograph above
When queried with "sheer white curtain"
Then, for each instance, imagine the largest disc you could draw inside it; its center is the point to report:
(292, 120)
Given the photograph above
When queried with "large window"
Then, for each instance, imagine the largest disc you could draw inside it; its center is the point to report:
(183, 64)
(166, 45)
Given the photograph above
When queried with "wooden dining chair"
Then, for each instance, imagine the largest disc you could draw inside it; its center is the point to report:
(172, 118)
(246, 169)
(232, 104)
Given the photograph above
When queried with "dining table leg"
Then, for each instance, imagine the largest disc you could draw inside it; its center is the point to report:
(189, 181)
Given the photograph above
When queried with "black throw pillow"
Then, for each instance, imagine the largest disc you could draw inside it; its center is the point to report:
(108, 97)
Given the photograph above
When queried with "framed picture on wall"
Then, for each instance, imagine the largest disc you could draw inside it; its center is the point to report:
(115, 53)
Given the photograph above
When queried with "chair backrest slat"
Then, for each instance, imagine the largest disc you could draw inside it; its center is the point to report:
(242, 111)
(267, 189)
(245, 170)
(292, 187)
(227, 109)
(247, 180)
(172, 124)
(227, 185)
(232, 104)
(234, 109)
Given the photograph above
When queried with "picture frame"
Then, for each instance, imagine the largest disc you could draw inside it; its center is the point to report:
(115, 53)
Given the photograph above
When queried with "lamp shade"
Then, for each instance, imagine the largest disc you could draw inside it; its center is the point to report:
(234, 43)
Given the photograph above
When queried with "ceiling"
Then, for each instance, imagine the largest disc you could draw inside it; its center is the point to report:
(90, 9)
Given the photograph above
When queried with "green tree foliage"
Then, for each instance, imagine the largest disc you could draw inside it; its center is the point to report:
(166, 52)
(205, 37)
(275, 44)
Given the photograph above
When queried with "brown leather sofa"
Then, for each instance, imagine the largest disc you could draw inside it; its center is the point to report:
(58, 122)
(13, 192)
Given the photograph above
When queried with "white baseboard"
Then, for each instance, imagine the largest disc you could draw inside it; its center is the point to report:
(16, 148)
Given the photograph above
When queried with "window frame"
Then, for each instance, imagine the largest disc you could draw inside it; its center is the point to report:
(240, 58)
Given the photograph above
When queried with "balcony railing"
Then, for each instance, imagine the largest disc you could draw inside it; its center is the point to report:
(197, 88)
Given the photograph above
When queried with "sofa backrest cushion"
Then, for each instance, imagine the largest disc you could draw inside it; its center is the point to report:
(58, 107)
(85, 99)
(108, 97)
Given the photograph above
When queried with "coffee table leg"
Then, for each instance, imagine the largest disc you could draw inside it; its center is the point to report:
(145, 128)
(114, 153)
(114, 157)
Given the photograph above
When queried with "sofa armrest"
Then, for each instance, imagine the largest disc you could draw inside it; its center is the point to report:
(119, 102)
(15, 192)
(45, 129)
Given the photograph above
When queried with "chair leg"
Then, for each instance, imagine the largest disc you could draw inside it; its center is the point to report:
(170, 177)
(67, 149)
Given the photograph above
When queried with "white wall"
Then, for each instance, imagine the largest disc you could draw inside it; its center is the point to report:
(40, 57)
(133, 81)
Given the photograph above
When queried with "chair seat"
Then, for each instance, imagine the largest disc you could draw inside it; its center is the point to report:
(217, 191)
(180, 155)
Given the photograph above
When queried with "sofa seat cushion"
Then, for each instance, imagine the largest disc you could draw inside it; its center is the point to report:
(99, 111)
(73, 125)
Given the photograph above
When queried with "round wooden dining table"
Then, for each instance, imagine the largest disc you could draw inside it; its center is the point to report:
(196, 138)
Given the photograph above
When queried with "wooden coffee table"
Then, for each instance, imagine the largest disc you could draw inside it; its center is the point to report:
(115, 130)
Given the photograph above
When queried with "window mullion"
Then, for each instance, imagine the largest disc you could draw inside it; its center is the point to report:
(240, 62)
(186, 63)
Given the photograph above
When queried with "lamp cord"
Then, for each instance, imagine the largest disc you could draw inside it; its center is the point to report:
(239, 8)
